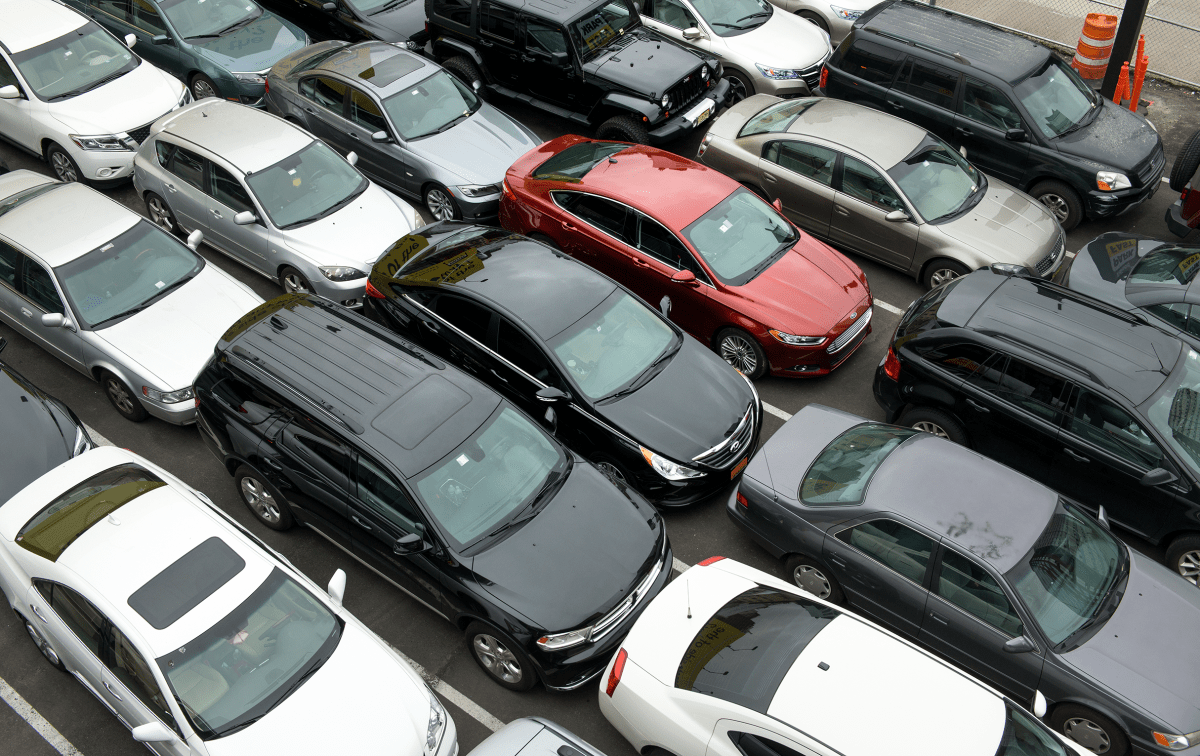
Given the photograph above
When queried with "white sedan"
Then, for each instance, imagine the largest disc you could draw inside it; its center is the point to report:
(197, 636)
(730, 661)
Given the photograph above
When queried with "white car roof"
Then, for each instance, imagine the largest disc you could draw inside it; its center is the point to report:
(248, 138)
(38, 224)
(29, 23)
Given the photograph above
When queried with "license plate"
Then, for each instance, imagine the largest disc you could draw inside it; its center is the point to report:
(703, 116)
(738, 468)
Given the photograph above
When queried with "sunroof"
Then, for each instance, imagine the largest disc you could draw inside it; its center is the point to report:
(420, 411)
(378, 64)
(181, 587)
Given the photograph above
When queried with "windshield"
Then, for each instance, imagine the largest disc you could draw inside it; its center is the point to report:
(612, 345)
(598, 27)
(431, 106)
(728, 17)
(1025, 736)
(1068, 573)
(778, 118)
(1056, 99)
(254, 658)
(1167, 265)
(1175, 410)
(493, 475)
(936, 179)
(75, 63)
(313, 183)
(841, 473)
(573, 163)
(741, 237)
(208, 18)
(128, 274)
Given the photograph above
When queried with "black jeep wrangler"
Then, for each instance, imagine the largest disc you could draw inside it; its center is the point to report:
(590, 61)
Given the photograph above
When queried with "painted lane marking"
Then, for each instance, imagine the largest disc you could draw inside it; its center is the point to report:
(474, 710)
(39, 723)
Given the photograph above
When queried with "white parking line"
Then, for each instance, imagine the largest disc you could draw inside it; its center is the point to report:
(679, 564)
(477, 712)
(37, 721)
(890, 308)
(777, 412)
(100, 440)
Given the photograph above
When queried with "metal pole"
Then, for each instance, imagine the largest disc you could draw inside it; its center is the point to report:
(1125, 44)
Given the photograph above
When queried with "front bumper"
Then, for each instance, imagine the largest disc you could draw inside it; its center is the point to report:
(781, 87)
(686, 122)
(1098, 204)
(179, 413)
(101, 165)
(346, 293)
(479, 209)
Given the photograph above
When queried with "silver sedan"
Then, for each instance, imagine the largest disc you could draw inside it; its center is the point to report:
(111, 294)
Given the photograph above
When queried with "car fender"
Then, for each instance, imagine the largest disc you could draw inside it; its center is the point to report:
(938, 246)
(625, 103)
(458, 47)
(96, 366)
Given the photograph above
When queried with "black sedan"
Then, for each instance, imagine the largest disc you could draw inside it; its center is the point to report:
(985, 567)
(626, 388)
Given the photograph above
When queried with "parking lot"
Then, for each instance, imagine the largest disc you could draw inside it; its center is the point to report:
(59, 715)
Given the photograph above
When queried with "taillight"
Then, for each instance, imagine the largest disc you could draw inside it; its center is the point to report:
(267, 86)
(742, 500)
(373, 292)
(891, 365)
(614, 677)
(508, 192)
(710, 560)
(1183, 195)
(824, 77)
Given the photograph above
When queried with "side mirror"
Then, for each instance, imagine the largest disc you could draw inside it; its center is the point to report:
(551, 394)
(664, 305)
(130, 40)
(1102, 517)
(1039, 704)
(1019, 645)
(551, 418)
(559, 58)
(194, 239)
(244, 218)
(477, 85)
(1158, 476)
(56, 320)
(160, 39)
(153, 732)
(380, 136)
(329, 6)
(352, 158)
(684, 277)
(896, 216)
(1015, 135)
(10, 92)
(778, 205)
(410, 544)
(692, 33)
(337, 587)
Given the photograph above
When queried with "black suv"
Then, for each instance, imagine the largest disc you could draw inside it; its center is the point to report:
(1080, 395)
(590, 61)
(435, 482)
(1021, 114)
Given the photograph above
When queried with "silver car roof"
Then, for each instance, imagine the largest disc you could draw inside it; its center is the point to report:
(38, 226)
(883, 138)
(354, 62)
(247, 138)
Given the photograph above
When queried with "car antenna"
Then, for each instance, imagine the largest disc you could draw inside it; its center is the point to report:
(688, 587)
(612, 158)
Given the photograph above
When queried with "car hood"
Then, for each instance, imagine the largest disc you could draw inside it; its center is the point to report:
(692, 405)
(578, 558)
(357, 234)
(370, 702)
(1006, 226)
(176, 335)
(139, 97)
(784, 41)
(1144, 661)
(254, 47)
(1117, 138)
(480, 149)
(39, 447)
(1102, 267)
(397, 24)
(650, 64)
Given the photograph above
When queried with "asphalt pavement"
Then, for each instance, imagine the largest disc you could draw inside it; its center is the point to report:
(48, 712)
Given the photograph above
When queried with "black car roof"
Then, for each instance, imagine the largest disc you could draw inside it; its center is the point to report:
(553, 10)
(406, 405)
(1009, 56)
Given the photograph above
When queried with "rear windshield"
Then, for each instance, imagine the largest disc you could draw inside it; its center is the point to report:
(841, 474)
(573, 163)
(746, 649)
(923, 315)
(778, 118)
(1169, 265)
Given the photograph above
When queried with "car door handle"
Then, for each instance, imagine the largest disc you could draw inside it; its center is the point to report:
(837, 561)
(895, 105)
(310, 111)
(170, 187)
(964, 131)
(938, 618)
(1075, 455)
(640, 262)
(484, 43)
(115, 694)
(977, 406)
(27, 313)
(499, 377)
(433, 327)
(568, 225)
(527, 59)
(841, 210)
(768, 177)
(272, 463)
(360, 523)
(38, 613)
(352, 135)
(216, 213)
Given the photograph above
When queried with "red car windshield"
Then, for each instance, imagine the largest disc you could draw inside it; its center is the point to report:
(741, 237)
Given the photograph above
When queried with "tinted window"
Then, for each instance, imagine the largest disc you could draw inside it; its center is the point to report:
(841, 472)
(228, 190)
(187, 166)
(1025, 736)
(365, 112)
(186, 582)
(922, 315)
(969, 587)
(320, 451)
(985, 104)
(863, 182)
(1180, 315)
(655, 240)
(37, 284)
(80, 617)
(808, 160)
(116, 8)
(164, 151)
(671, 13)
(251, 404)
(967, 360)
(325, 92)
(468, 317)
(777, 118)
(1033, 389)
(575, 161)
(606, 215)
(7, 76)
(542, 36)
(744, 651)
(1170, 265)
(932, 84)
(899, 548)
(1106, 425)
(519, 349)
(146, 17)
(10, 258)
(131, 669)
(498, 21)
(753, 745)
(872, 62)
(458, 11)
(378, 490)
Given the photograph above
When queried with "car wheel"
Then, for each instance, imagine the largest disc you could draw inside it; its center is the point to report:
(612, 470)
(440, 203)
(263, 499)
(815, 19)
(1062, 201)
(293, 281)
(942, 270)
(623, 128)
(1186, 163)
(44, 646)
(123, 399)
(740, 87)
(1093, 731)
(743, 352)
(1183, 556)
(500, 657)
(935, 423)
(202, 87)
(813, 576)
(465, 70)
(160, 213)
(64, 166)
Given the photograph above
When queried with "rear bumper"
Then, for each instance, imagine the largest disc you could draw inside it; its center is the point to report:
(887, 394)
(1177, 224)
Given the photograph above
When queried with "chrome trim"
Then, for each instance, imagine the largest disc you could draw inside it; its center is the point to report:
(577, 685)
(606, 623)
(851, 333)
(748, 417)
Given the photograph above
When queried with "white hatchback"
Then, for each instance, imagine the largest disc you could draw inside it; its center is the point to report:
(730, 661)
(193, 632)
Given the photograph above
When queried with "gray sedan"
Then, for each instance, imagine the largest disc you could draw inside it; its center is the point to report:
(986, 567)
(877, 185)
(111, 294)
(535, 736)
(417, 129)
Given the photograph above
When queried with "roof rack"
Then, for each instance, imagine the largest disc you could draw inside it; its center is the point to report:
(324, 407)
(957, 56)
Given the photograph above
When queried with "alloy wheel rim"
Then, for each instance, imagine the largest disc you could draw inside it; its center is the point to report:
(63, 168)
(1189, 566)
(497, 659)
(1057, 205)
(119, 396)
(439, 204)
(739, 353)
(260, 500)
(161, 215)
(42, 645)
(202, 89)
(294, 283)
(1088, 734)
(739, 89)
(941, 276)
(932, 429)
(810, 579)
(611, 470)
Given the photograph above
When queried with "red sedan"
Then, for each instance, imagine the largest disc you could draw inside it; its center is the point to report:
(729, 268)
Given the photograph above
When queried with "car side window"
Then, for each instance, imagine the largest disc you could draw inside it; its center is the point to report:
(498, 21)
(1097, 420)
(328, 93)
(77, 613)
(128, 666)
(670, 12)
(754, 745)
(1033, 389)
(1178, 314)
(540, 35)
(118, 9)
(610, 217)
(808, 160)
(38, 286)
(248, 403)
(319, 450)
(377, 490)
(470, 318)
(10, 258)
(7, 77)
(458, 11)
(984, 103)
(365, 112)
(893, 545)
(227, 190)
(933, 84)
(656, 241)
(187, 166)
(146, 17)
(871, 62)
(164, 151)
(516, 347)
(972, 361)
(969, 587)
(863, 182)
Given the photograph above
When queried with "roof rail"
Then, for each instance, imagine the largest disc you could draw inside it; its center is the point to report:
(324, 407)
(957, 56)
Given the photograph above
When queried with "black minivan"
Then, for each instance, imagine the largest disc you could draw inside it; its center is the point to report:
(1016, 110)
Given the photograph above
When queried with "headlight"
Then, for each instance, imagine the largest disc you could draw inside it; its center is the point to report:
(1177, 742)
(666, 101)
(668, 469)
(437, 723)
(250, 78)
(342, 273)
(82, 442)
(104, 142)
(788, 338)
(777, 73)
(1110, 181)
(845, 13)
(564, 640)
(478, 190)
(704, 73)
(168, 397)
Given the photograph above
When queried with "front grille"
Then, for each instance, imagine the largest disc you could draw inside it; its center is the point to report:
(1152, 169)
(812, 75)
(848, 335)
(140, 133)
(686, 92)
(622, 610)
(733, 447)
(1046, 264)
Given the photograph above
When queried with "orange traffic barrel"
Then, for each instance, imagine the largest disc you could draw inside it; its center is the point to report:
(1095, 45)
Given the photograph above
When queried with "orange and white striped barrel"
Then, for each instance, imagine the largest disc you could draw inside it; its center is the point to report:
(1095, 45)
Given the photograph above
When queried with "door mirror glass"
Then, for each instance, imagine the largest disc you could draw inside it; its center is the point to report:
(152, 732)
(684, 277)
(10, 92)
(194, 239)
(664, 305)
(551, 394)
(381, 137)
(130, 40)
(692, 33)
(244, 218)
(410, 544)
(160, 39)
(1019, 645)
(352, 158)
(53, 320)
(337, 587)
(896, 216)
(1156, 477)
(1015, 135)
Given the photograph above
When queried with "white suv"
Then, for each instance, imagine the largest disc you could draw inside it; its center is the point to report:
(72, 93)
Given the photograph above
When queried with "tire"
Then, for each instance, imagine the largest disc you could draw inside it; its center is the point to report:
(500, 657)
(1186, 163)
(740, 87)
(936, 423)
(613, 470)
(202, 87)
(123, 398)
(161, 215)
(1061, 200)
(64, 166)
(941, 270)
(814, 18)
(440, 203)
(1081, 724)
(465, 70)
(623, 128)
(43, 645)
(742, 351)
(263, 499)
(1183, 556)
(812, 575)
(293, 281)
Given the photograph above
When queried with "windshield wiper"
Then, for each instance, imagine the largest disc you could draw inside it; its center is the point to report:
(237, 25)
(294, 687)
(387, 7)
(645, 376)
(327, 211)
(550, 482)
(127, 313)
(444, 127)
(99, 83)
